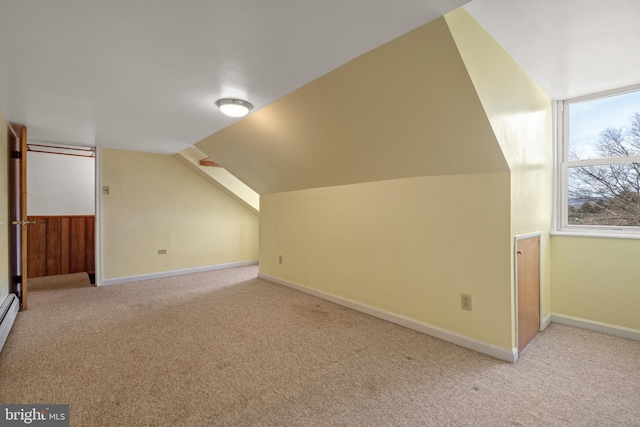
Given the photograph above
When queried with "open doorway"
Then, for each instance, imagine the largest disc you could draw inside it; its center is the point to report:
(61, 200)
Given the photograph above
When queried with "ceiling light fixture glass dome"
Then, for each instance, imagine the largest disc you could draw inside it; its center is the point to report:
(234, 107)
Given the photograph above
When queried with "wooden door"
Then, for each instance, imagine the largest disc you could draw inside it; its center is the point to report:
(528, 289)
(18, 212)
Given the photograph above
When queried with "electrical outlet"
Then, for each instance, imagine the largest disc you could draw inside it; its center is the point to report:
(465, 301)
(280, 259)
(162, 251)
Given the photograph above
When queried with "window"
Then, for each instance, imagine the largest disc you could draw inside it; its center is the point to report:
(599, 164)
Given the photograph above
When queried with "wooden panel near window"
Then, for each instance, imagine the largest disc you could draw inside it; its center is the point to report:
(60, 245)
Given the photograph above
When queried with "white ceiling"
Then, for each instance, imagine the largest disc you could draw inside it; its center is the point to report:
(569, 47)
(144, 74)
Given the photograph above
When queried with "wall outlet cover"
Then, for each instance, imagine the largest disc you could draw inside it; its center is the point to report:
(465, 301)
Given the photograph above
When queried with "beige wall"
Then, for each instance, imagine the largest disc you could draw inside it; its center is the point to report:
(156, 202)
(4, 211)
(411, 246)
(408, 246)
(596, 279)
(520, 115)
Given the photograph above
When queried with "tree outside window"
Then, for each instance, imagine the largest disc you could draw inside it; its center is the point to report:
(602, 162)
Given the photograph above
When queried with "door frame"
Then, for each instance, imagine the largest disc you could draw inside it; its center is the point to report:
(517, 238)
(98, 211)
(17, 195)
(98, 217)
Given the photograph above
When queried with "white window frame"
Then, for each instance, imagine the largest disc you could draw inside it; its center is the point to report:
(561, 175)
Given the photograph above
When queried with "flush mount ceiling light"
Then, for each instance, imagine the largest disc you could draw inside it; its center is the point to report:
(234, 107)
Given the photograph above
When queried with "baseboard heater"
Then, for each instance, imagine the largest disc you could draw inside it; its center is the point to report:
(8, 313)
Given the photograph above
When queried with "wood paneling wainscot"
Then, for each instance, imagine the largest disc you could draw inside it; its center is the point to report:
(60, 245)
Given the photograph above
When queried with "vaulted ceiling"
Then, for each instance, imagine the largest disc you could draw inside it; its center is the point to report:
(144, 75)
(405, 109)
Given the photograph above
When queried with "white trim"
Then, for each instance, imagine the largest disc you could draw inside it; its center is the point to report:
(434, 331)
(98, 218)
(139, 277)
(8, 312)
(528, 235)
(545, 322)
(609, 235)
(605, 94)
(619, 331)
(562, 163)
(564, 197)
(599, 161)
(558, 108)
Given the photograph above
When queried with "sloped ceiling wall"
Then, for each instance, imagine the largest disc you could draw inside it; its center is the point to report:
(520, 115)
(405, 109)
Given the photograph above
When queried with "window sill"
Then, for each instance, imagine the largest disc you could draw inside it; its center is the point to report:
(598, 234)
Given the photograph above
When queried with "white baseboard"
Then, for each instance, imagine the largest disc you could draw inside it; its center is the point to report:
(434, 331)
(127, 279)
(8, 312)
(605, 328)
(545, 322)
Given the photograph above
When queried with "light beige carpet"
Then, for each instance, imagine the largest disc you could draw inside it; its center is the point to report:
(226, 349)
(60, 281)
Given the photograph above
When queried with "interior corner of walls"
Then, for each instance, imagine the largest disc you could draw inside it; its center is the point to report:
(511, 98)
(596, 279)
(605, 328)
(160, 216)
(163, 274)
(545, 321)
